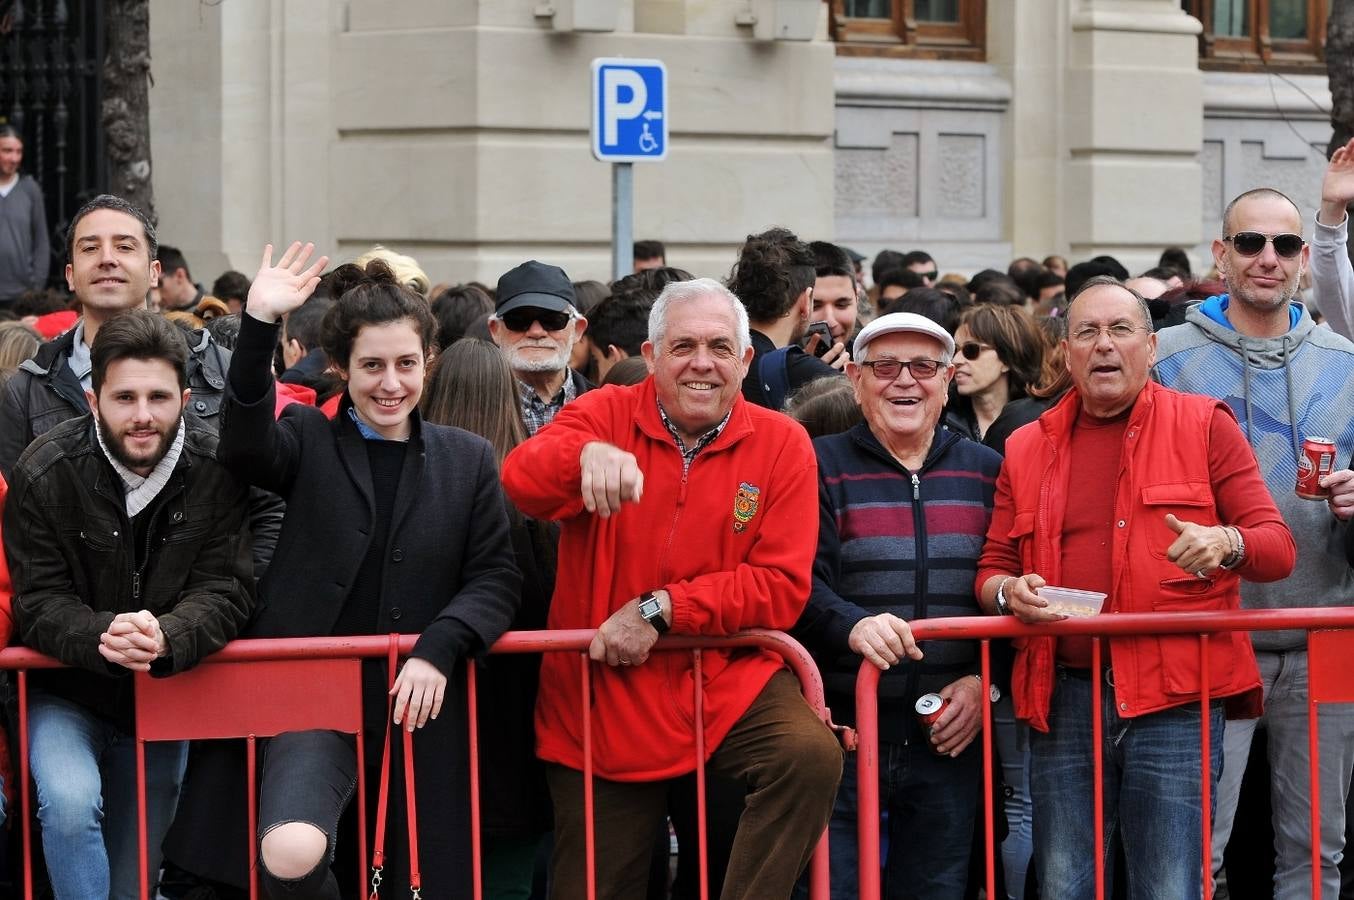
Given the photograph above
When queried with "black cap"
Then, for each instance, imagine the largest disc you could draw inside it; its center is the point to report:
(535, 285)
(855, 257)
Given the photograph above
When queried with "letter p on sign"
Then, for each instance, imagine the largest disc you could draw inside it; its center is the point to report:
(614, 108)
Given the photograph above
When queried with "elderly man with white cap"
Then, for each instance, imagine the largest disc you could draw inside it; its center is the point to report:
(903, 508)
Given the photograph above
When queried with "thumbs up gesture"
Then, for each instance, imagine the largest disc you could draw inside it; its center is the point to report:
(1198, 549)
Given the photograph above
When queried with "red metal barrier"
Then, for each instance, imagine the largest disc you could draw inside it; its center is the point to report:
(172, 709)
(1330, 680)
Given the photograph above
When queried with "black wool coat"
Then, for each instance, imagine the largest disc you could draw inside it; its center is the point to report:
(449, 567)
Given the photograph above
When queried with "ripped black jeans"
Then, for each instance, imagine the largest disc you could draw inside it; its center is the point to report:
(307, 776)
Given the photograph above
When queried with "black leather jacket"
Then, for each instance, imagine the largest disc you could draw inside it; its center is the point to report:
(77, 560)
(45, 392)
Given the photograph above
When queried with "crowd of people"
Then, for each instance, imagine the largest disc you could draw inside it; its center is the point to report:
(794, 446)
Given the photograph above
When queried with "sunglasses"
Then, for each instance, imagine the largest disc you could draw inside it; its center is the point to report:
(929, 276)
(972, 349)
(889, 369)
(1252, 243)
(521, 319)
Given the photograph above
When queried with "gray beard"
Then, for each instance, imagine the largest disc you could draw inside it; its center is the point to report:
(520, 362)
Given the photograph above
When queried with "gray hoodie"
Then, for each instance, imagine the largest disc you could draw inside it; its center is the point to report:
(1283, 389)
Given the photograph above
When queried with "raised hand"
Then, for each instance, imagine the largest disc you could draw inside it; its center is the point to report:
(1337, 186)
(279, 289)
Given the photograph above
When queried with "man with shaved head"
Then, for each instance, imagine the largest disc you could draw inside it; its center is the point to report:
(1257, 349)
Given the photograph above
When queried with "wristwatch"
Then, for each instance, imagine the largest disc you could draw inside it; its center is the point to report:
(993, 692)
(652, 611)
(1003, 608)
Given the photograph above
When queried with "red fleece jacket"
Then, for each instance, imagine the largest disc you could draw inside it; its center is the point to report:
(732, 541)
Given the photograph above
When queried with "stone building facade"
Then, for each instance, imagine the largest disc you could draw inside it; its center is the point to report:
(457, 130)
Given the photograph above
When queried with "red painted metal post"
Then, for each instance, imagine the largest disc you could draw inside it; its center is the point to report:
(589, 848)
(1205, 757)
(989, 840)
(361, 812)
(141, 839)
(251, 780)
(867, 779)
(1098, 769)
(476, 844)
(1314, 749)
(25, 785)
(703, 844)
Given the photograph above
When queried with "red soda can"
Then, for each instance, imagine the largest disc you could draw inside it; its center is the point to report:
(929, 707)
(1316, 462)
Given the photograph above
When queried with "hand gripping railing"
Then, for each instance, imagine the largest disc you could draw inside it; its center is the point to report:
(1330, 680)
(258, 675)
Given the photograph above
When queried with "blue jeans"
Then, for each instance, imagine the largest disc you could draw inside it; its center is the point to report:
(1013, 742)
(84, 771)
(1151, 789)
(1284, 677)
(930, 802)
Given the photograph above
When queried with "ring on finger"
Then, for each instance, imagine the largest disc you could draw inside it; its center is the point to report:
(1199, 573)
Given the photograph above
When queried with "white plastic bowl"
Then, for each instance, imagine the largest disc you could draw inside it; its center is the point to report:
(1072, 602)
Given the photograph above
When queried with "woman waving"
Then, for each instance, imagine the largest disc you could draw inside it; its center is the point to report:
(392, 525)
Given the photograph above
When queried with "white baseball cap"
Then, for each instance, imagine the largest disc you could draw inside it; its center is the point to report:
(902, 321)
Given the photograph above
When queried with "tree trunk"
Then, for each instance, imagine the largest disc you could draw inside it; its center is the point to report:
(126, 102)
(1340, 72)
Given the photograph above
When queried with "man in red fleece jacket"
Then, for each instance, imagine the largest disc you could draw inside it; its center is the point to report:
(684, 508)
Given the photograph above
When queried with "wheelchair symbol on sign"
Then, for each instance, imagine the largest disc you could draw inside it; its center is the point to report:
(647, 142)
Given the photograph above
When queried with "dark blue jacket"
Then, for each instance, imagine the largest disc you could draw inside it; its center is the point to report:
(892, 540)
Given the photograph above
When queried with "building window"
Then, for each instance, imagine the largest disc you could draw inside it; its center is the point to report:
(1260, 34)
(927, 29)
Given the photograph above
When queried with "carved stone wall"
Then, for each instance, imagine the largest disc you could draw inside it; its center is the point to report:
(918, 159)
(1261, 131)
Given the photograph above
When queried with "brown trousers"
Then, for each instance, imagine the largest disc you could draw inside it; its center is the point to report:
(791, 763)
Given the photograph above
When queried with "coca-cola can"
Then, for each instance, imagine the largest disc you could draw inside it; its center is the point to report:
(1316, 462)
(929, 707)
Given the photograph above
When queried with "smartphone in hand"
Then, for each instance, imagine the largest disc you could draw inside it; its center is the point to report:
(824, 337)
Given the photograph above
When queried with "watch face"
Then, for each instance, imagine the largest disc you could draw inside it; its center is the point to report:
(652, 611)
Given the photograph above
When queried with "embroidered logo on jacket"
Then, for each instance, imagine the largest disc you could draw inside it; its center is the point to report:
(745, 506)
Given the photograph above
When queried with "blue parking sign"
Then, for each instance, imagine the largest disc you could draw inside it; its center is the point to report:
(629, 110)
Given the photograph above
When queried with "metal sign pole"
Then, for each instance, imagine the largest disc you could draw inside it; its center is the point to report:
(622, 219)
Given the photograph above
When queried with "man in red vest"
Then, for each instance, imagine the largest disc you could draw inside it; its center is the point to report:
(1170, 513)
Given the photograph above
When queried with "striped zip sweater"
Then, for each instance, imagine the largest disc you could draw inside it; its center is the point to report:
(893, 540)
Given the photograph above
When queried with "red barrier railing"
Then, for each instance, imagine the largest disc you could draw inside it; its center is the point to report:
(171, 709)
(1330, 680)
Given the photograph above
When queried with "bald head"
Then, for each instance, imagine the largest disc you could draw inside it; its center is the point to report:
(1228, 222)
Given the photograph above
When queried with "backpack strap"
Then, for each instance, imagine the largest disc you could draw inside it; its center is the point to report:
(773, 377)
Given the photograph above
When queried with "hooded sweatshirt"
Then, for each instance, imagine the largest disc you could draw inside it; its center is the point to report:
(1283, 390)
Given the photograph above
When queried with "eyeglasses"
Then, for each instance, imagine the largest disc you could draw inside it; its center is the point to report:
(1252, 243)
(521, 319)
(973, 349)
(1118, 331)
(889, 369)
(929, 276)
